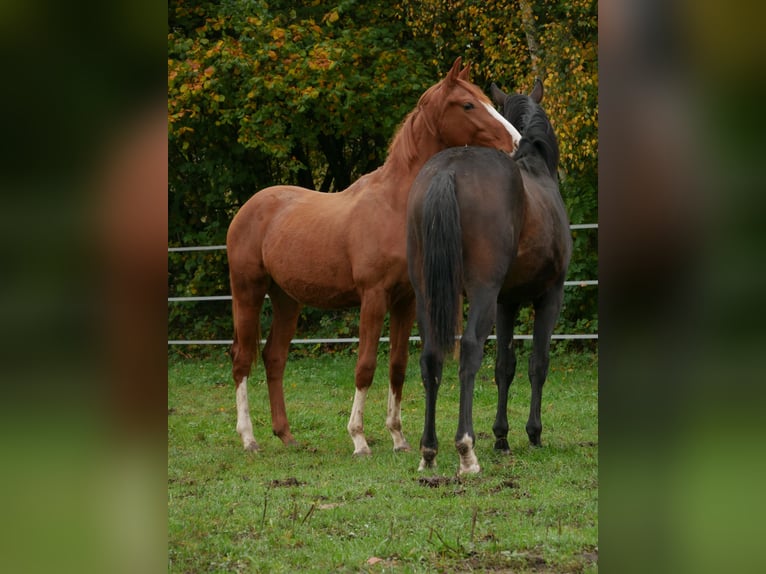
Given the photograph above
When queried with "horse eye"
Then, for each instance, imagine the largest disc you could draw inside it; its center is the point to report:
(468, 106)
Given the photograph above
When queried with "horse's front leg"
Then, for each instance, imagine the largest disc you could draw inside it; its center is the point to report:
(402, 318)
(275, 352)
(547, 310)
(370, 326)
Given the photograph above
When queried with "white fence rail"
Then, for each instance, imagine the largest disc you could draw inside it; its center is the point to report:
(347, 340)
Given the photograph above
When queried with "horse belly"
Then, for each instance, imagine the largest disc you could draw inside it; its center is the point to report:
(314, 292)
(310, 272)
(532, 274)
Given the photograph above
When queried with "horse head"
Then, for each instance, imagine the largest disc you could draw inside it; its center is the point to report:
(458, 113)
(525, 112)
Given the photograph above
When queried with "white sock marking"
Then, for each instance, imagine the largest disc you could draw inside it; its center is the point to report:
(356, 423)
(244, 424)
(469, 464)
(394, 422)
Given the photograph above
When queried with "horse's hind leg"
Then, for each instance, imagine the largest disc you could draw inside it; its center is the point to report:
(402, 318)
(505, 369)
(481, 318)
(283, 325)
(247, 300)
(431, 363)
(547, 310)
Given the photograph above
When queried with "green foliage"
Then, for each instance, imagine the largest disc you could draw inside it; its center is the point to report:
(316, 508)
(310, 93)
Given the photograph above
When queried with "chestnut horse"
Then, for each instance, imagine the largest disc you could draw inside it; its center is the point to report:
(495, 228)
(334, 250)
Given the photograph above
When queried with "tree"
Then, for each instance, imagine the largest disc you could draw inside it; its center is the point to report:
(283, 93)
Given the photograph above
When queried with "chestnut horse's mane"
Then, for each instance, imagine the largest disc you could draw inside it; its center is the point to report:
(403, 147)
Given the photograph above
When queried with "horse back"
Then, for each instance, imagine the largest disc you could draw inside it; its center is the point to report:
(323, 249)
(295, 236)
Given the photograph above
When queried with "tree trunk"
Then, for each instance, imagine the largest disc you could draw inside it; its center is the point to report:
(332, 148)
(530, 30)
(305, 179)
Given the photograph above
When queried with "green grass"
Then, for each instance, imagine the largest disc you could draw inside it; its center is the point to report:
(315, 508)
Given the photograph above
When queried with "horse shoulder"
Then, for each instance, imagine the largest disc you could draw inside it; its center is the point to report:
(377, 244)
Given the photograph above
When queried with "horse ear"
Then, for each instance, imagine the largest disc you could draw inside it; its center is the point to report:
(537, 91)
(498, 95)
(454, 73)
(465, 73)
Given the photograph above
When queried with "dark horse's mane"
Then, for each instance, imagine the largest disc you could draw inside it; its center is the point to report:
(538, 142)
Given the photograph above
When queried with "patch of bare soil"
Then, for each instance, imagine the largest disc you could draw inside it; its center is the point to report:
(437, 481)
(290, 481)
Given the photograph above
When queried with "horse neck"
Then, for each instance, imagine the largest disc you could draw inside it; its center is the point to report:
(543, 191)
(538, 144)
(413, 145)
(530, 158)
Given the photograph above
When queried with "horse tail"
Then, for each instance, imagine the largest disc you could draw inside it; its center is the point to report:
(442, 259)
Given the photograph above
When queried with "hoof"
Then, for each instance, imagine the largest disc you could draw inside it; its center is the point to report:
(534, 436)
(428, 459)
(403, 448)
(363, 452)
(287, 438)
(470, 469)
(252, 447)
(502, 445)
(469, 464)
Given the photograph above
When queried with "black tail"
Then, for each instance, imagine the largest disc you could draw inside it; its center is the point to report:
(442, 259)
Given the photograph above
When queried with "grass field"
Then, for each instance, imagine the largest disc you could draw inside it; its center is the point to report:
(315, 508)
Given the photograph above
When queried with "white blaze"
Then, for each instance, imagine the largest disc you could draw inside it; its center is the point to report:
(511, 130)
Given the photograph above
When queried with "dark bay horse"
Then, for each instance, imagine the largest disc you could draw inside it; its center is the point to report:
(495, 228)
(345, 249)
